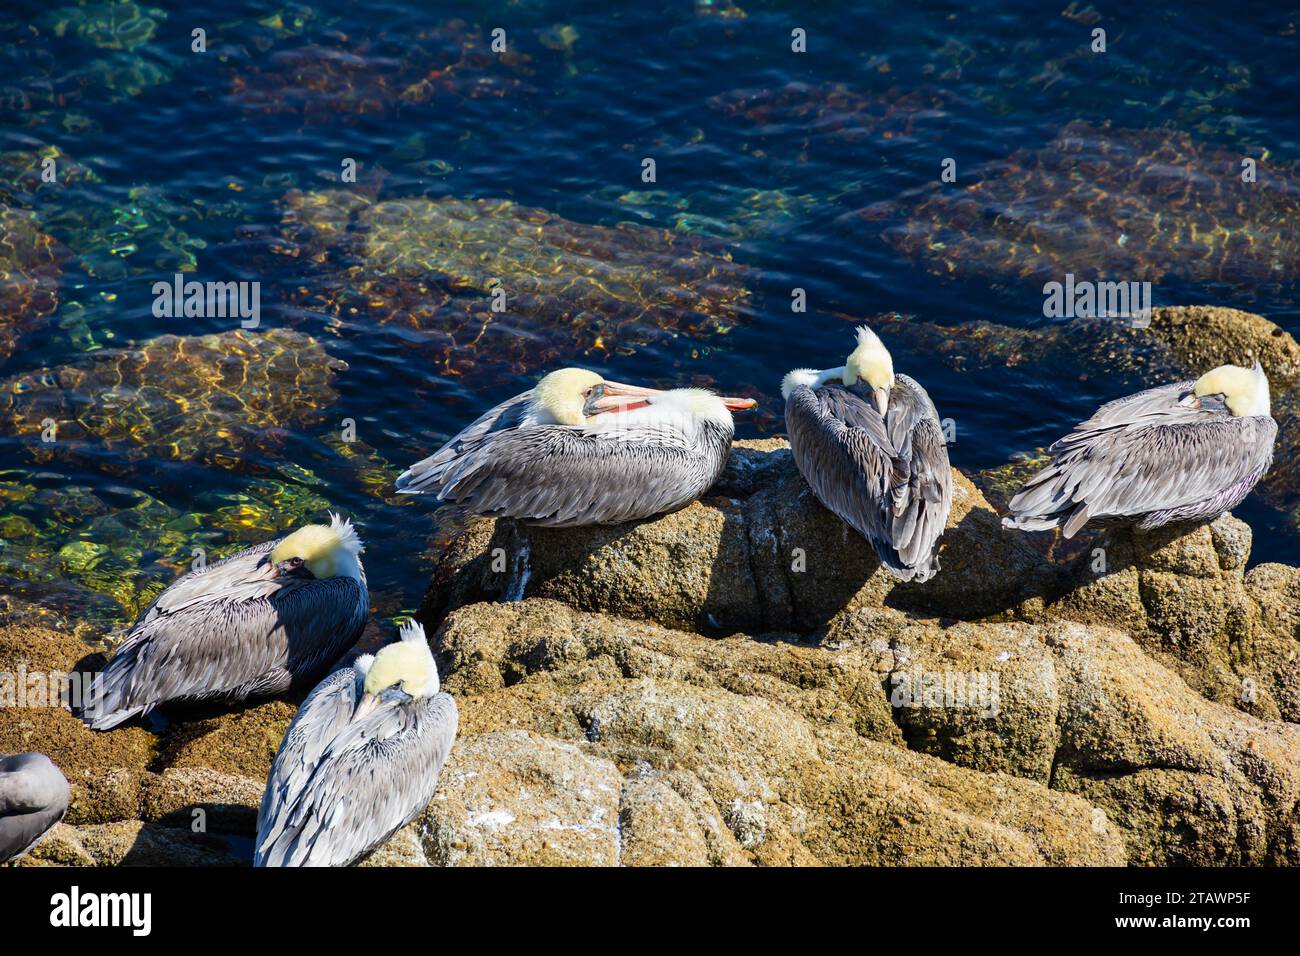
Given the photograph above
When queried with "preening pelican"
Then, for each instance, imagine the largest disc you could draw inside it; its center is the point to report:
(33, 798)
(360, 760)
(579, 450)
(869, 444)
(1183, 452)
(272, 617)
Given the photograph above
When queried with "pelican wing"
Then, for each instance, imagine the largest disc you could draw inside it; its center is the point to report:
(230, 630)
(921, 497)
(429, 475)
(560, 475)
(1145, 454)
(372, 779)
(843, 451)
(33, 798)
(325, 712)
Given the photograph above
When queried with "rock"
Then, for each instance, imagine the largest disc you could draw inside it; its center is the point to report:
(105, 770)
(61, 846)
(403, 848)
(243, 742)
(1181, 593)
(135, 843)
(732, 564)
(219, 802)
(1273, 588)
(847, 719)
(661, 826)
(740, 683)
(489, 647)
(712, 751)
(513, 798)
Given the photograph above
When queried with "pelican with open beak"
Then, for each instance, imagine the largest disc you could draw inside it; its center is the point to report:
(579, 450)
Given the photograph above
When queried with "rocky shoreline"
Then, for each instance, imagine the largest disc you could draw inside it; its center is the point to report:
(740, 683)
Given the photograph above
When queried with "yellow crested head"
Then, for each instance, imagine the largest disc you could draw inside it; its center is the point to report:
(561, 396)
(1244, 390)
(870, 362)
(327, 551)
(407, 663)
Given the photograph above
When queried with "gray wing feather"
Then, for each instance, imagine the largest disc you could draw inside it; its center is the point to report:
(1147, 456)
(228, 631)
(324, 713)
(428, 476)
(33, 798)
(921, 498)
(841, 448)
(558, 475)
(372, 779)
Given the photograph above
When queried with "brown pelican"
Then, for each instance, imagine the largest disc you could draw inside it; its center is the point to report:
(1183, 452)
(578, 450)
(33, 798)
(256, 624)
(360, 760)
(869, 444)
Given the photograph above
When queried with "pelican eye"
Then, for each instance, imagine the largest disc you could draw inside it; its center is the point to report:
(295, 562)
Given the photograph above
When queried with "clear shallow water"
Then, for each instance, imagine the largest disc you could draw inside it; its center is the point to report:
(198, 159)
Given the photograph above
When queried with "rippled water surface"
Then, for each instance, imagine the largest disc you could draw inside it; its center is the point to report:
(774, 171)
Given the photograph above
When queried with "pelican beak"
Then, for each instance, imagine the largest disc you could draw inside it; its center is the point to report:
(1190, 400)
(880, 400)
(365, 707)
(738, 404)
(617, 397)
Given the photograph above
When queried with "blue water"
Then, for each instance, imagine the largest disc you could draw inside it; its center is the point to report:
(603, 87)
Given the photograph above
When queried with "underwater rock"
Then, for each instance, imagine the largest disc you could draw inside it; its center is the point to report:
(22, 174)
(91, 564)
(335, 78)
(45, 89)
(109, 25)
(729, 213)
(145, 230)
(31, 264)
(570, 290)
(833, 111)
(1111, 204)
(202, 397)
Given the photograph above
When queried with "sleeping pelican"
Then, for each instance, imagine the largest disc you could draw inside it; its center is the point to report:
(268, 619)
(1183, 452)
(579, 450)
(33, 798)
(360, 760)
(869, 444)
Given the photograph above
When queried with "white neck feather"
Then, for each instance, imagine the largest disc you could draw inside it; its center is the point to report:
(811, 377)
